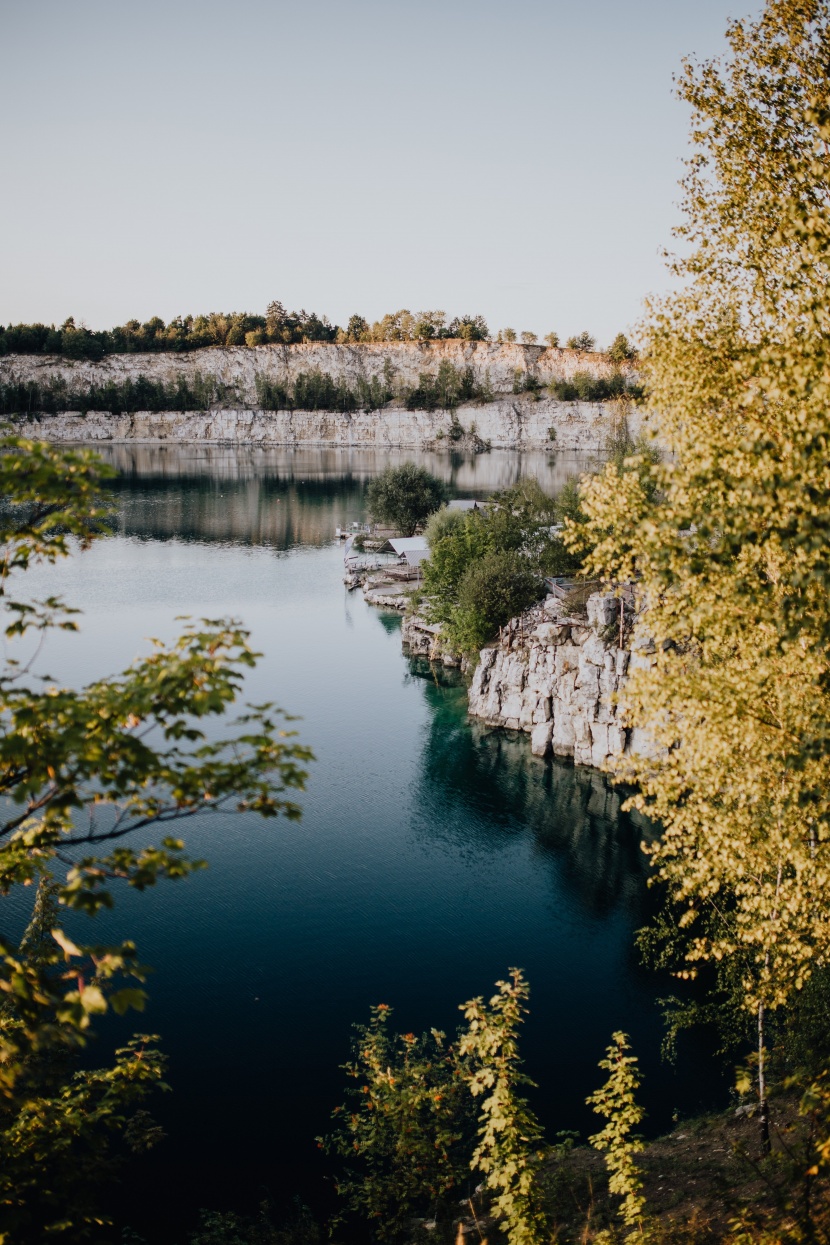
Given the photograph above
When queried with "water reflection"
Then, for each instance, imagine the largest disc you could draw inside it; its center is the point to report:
(432, 853)
(495, 786)
(287, 498)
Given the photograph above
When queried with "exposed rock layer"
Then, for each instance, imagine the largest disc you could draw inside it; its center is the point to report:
(510, 420)
(558, 682)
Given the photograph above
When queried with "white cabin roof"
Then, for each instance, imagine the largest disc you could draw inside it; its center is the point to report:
(408, 544)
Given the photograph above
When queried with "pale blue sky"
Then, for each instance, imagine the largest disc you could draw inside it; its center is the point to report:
(515, 160)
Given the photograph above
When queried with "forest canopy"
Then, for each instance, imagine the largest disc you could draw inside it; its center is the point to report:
(74, 340)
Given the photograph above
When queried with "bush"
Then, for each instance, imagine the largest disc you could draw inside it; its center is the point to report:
(526, 382)
(492, 590)
(317, 391)
(447, 390)
(583, 387)
(523, 523)
(621, 349)
(141, 394)
(582, 341)
(404, 497)
(456, 538)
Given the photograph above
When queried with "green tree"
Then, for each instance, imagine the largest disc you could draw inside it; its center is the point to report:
(522, 521)
(406, 1134)
(494, 589)
(456, 540)
(552, 339)
(529, 339)
(733, 562)
(616, 1100)
(357, 329)
(404, 497)
(621, 350)
(83, 772)
(509, 335)
(469, 328)
(429, 325)
(509, 1149)
(582, 341)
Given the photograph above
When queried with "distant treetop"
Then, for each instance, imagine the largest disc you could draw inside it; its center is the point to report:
(621, 349)
(582, 341)
(277, 327)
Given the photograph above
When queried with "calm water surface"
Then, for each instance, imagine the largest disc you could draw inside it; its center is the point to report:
(432, 855)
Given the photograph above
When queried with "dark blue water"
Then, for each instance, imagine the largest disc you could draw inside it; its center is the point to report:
(432, 855)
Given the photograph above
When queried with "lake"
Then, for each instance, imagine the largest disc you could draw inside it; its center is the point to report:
(433, 853)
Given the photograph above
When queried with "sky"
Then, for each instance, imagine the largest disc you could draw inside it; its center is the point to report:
(515, 160)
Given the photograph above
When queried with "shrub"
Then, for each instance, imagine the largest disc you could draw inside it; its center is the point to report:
(582, 341)
(492, 590)
(552, 339)
(526, 382)
(621, 349)
(317, 391)
(404, 497)
(141, 394)
(583, 387)
(447, 390)
(405, 1135)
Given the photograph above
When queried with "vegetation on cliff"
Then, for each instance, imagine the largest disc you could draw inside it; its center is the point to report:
(446, 389)
(727, 544)
(277, 327)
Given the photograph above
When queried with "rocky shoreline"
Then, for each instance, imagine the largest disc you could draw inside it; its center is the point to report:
(557, 677)
(553, 675)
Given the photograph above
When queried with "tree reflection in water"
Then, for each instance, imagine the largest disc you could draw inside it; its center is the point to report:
(499, 790)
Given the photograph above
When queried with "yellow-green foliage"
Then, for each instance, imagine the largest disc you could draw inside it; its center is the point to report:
(405, 1134)
(732, 565)
(510, 1138)
(616, 1101)
(84, 768)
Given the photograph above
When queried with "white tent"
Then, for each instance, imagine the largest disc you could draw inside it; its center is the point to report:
(413, 548)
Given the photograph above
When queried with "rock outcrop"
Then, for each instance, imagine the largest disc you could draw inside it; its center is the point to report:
(556, 677)
(518, 424)
(240, 367)
(524, 420)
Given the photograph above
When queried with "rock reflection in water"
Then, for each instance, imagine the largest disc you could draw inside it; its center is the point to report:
(285, 498)
(497, 787)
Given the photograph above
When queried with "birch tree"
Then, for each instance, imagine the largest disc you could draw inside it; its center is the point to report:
(733, 563)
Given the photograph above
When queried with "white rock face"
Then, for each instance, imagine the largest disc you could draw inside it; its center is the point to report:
(540, 738)
(505, 424)
(560, 685)
(511, 420)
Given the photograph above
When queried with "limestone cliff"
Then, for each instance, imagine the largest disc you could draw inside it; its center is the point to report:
(515, 421)
(239, 366)
(556, 677)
